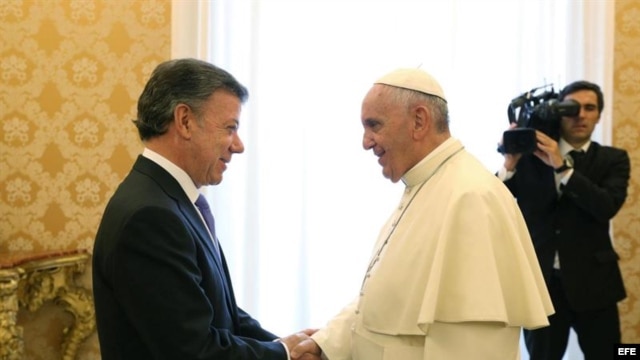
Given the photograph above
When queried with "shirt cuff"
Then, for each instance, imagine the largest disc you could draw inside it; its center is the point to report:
(504, 174)
(566, 176)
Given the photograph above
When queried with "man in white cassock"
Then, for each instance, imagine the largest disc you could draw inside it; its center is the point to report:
(453, 274)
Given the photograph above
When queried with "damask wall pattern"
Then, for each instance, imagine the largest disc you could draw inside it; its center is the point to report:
(70, 75)
(626, 134)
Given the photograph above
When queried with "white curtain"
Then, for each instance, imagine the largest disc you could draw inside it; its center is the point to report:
(299, 211)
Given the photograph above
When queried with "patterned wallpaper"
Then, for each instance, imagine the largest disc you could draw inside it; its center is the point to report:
(626, 134)
(70, 75)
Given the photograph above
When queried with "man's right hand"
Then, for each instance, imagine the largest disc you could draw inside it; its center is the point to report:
(510, 160)
(306, 349)
(309, 350)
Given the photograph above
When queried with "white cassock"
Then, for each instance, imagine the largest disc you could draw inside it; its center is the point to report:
(453, 275)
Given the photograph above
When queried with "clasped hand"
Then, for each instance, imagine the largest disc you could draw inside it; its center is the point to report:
(301, 346)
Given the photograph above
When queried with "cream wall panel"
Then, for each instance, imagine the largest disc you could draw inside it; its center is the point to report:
(626, 134)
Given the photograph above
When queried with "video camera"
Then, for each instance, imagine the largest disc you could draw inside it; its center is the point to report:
(537, 109)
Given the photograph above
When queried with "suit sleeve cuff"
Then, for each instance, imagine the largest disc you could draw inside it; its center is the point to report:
(286, 349)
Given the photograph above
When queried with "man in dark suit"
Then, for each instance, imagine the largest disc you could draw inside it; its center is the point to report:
(161, 284)
(568, 190)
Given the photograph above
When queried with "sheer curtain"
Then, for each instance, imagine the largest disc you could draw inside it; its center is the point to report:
(299, 211)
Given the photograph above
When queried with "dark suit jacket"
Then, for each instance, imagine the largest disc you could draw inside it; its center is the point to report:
(576, 224)
(159, 291)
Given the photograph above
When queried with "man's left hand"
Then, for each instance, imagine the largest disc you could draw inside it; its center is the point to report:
(548, 150)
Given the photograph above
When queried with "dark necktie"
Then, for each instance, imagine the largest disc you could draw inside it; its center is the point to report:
(577, 156)
(203, 206)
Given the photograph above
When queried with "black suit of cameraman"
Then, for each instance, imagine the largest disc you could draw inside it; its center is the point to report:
(568, 202)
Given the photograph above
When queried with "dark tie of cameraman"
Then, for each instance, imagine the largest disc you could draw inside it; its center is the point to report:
(577, 156)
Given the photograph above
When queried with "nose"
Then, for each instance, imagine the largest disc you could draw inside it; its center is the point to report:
(237, 146)
(367, 141)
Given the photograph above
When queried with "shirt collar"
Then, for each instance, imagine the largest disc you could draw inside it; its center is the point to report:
(565, 147)
(430, 163)
(180, 175)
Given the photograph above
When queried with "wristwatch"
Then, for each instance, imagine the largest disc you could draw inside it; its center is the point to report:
(566, 165)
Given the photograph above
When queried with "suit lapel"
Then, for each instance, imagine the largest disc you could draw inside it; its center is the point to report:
(203, 233)
(173, 189)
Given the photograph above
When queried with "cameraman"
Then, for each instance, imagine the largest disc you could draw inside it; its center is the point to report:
(568, 201)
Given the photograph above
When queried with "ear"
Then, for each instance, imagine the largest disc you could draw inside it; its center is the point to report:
(422, 122)
(184, 120)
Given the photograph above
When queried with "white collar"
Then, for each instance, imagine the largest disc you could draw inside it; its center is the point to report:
(180, 175)
(432, 162)
(565, 147)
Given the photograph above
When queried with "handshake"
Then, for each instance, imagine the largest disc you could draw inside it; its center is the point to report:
(301, 346)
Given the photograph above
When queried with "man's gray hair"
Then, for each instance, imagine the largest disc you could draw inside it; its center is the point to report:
(180, 81)
(436, 105)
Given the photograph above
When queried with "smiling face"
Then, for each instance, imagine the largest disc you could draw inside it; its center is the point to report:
(577, 130)
(388, 132)
(215, 138)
